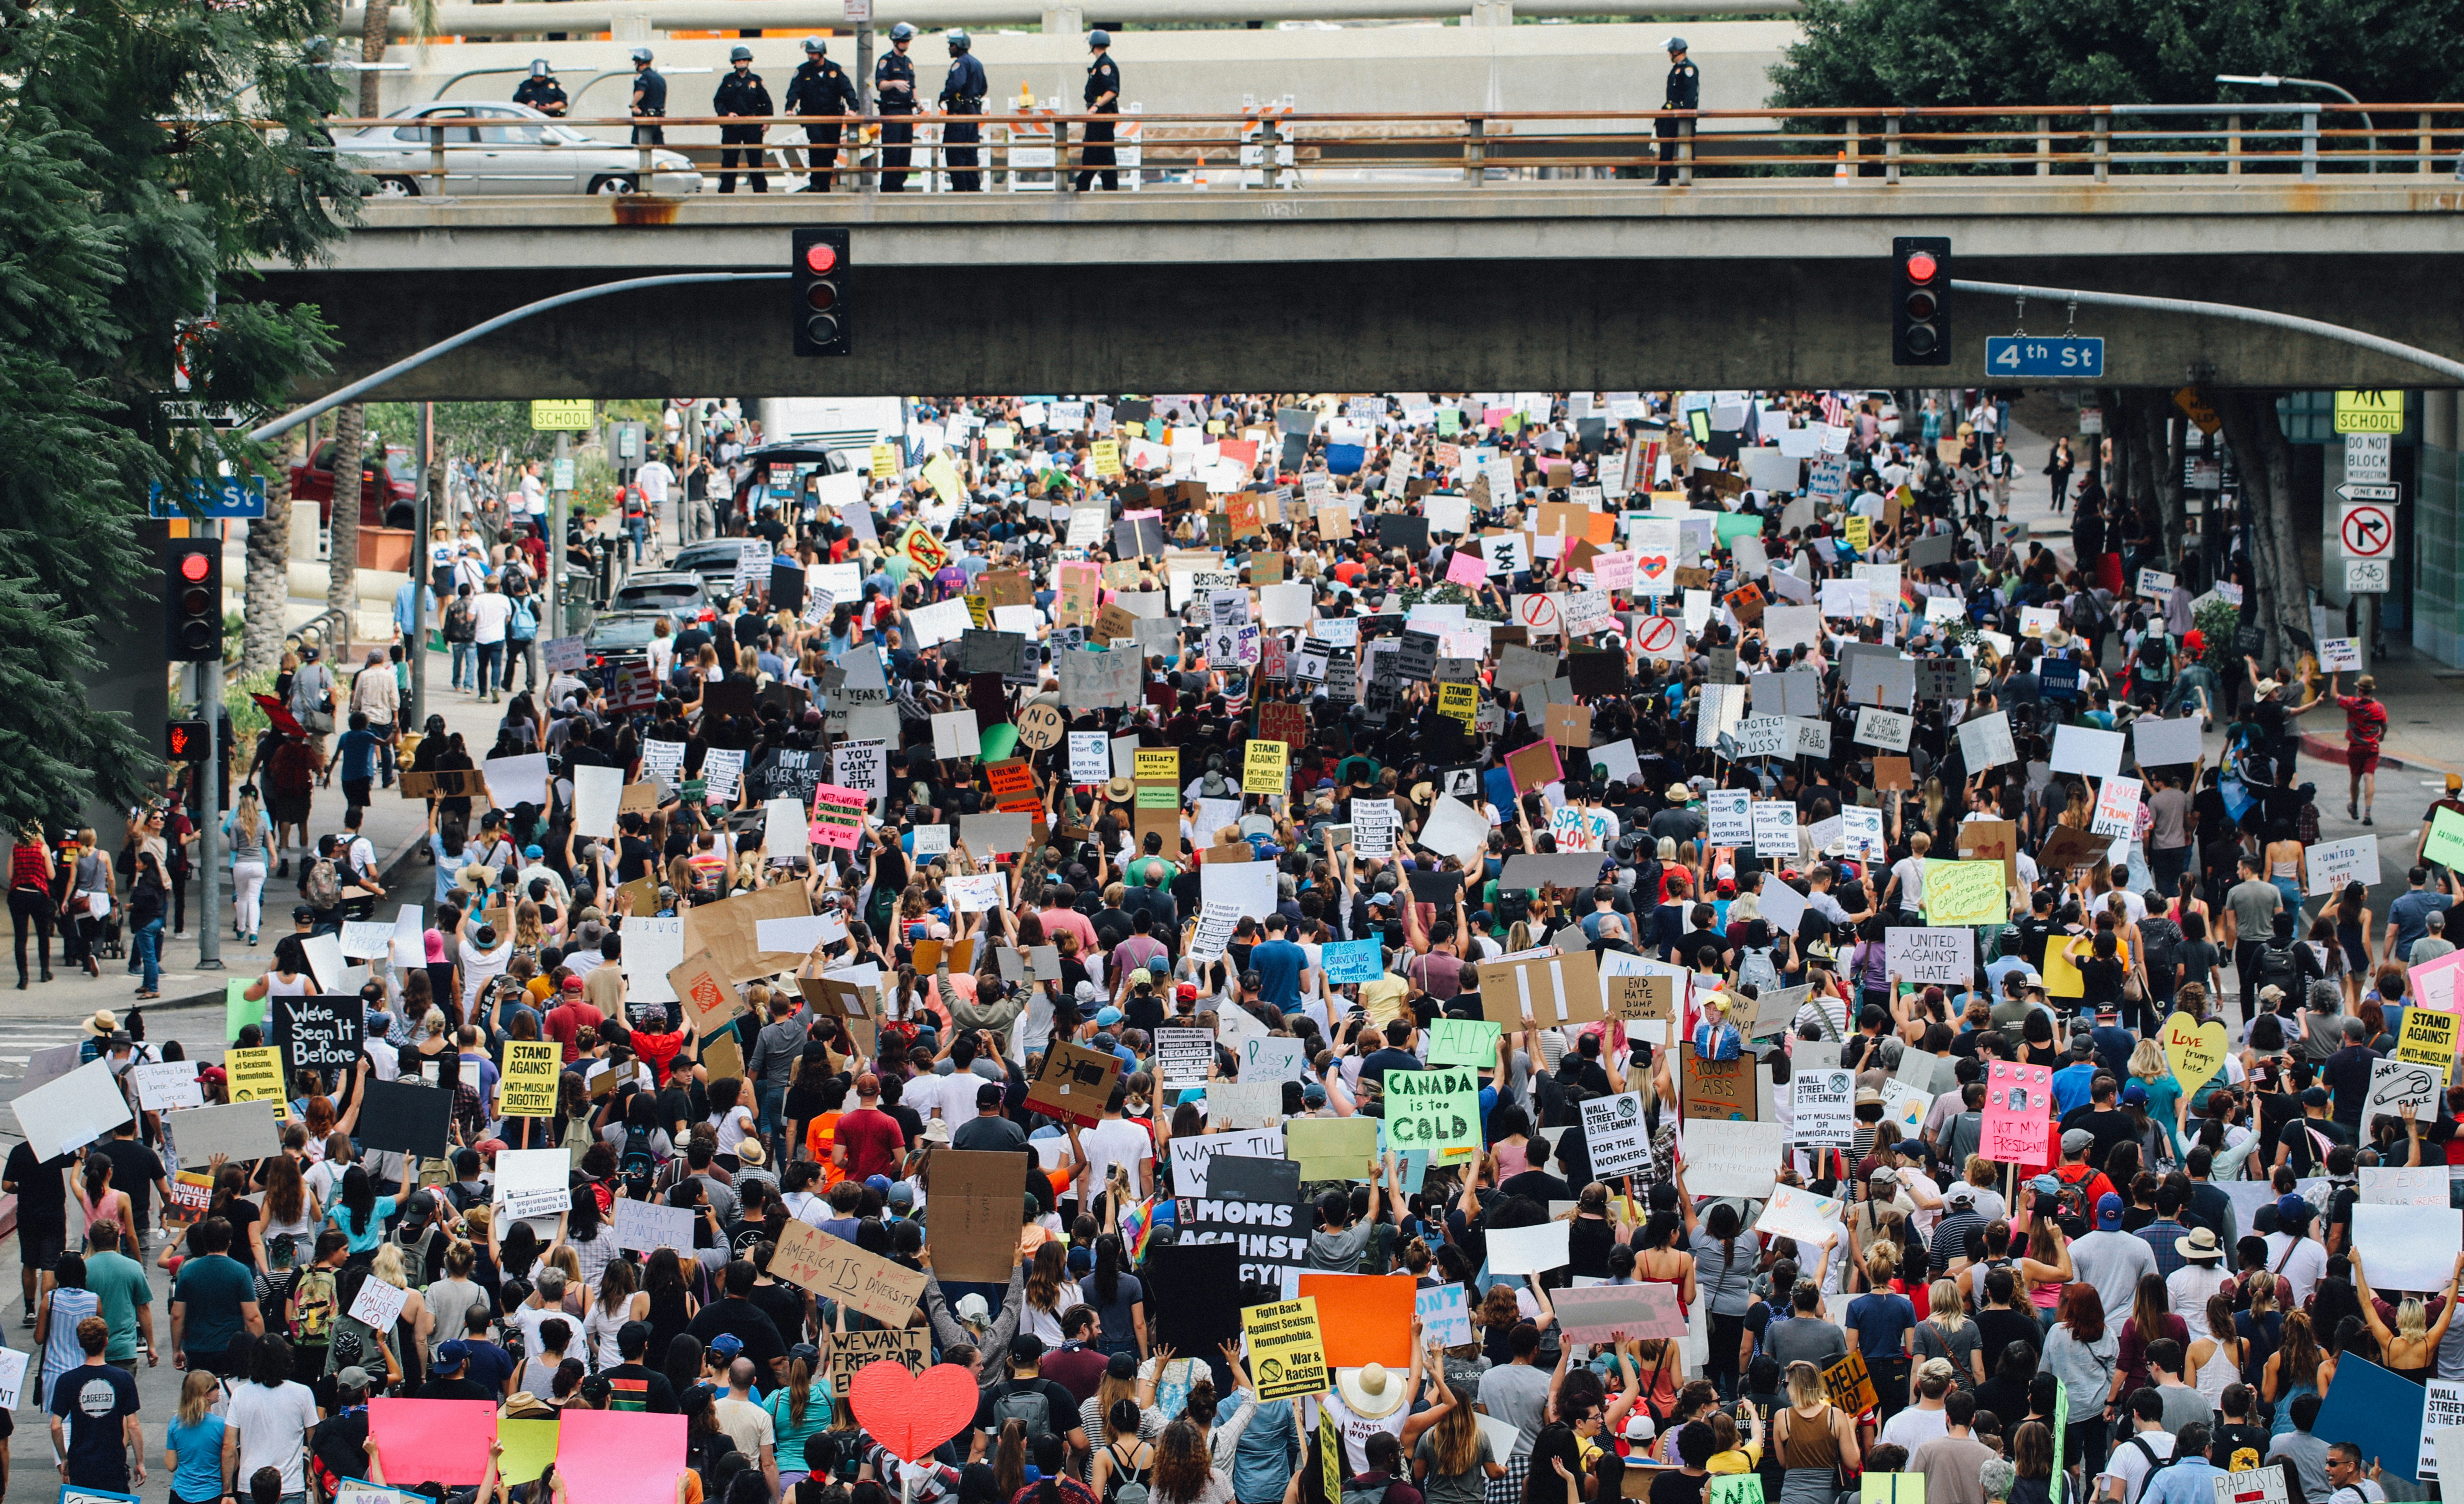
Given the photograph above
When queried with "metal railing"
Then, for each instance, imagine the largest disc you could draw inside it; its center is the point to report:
(1873, 147)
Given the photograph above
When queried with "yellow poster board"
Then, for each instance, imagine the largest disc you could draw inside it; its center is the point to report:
(1106, 458)
(2063, 977)
(257, 1075)
(1965, 893)
(1462, 701)
(885, 462)
(1161, 763)
(1267, 768)
(2429, 1039)
(943, 477)
(1287, 1350)
(1861, 534)
(530, 1070)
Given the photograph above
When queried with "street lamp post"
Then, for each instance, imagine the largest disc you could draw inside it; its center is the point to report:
(2270, 81)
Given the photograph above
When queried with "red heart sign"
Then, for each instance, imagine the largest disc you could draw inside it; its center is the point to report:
(1652, 564)
(910, 1415)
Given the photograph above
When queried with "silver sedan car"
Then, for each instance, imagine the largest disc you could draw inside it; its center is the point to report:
(495, 148)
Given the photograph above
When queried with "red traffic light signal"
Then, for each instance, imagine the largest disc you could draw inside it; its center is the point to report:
(819, 320)
(1920, 315)
(192, 605)
(185, 741)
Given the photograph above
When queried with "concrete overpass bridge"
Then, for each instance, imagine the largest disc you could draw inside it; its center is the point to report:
(1598, 283)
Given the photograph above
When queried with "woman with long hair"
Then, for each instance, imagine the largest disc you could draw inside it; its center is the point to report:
(670, 1306)
(1183, 1473)
(2292, 1372)
(1454, 1462)
(2082, 1352)
(65, 1301)
(1123, 1459)
(1949, 1334)
(1814, 1441)
(1049, 1292)
(619, 1299)
(2046, 1266)
(30, 871)
(2032, 1462)
(2220, 1355)
(2412, 1344)
(2150, 1319)
(1554, 1473)
(1725, 1256)
(250, 834)
(361, 1213)
(1119, 1300)
(96, 1196)
(192, 1448)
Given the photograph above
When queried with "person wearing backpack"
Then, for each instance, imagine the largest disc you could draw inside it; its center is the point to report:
(521, 632)
(461, 629)
(2146, 1453)
(1042, 1407)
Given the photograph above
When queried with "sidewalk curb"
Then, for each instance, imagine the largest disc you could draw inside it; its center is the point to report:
(393, 860)
(2333, 753)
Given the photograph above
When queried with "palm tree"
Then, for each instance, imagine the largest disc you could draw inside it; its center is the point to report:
(342, 578)
(269, 574)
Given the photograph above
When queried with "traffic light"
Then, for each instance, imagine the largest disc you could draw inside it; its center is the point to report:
(184, 741)
(192, 600)
(820, 275)
(1920, 300)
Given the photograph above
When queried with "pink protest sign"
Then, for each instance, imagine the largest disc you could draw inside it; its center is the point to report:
(620, 1456)
(2434, 982)
(2018, 1114)
(1466, 569)
(1640, 1312)
(838, 816)
(445, 1441)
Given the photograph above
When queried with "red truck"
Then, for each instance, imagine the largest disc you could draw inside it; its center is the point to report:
(385, 500)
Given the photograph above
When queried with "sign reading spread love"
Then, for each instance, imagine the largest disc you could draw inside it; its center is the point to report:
(911, 1414)
(2195, 1050)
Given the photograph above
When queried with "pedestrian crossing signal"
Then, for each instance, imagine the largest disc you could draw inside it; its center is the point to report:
(819, 274)
(184, 741)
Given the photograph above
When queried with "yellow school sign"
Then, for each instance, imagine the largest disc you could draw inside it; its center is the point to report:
(558, 415)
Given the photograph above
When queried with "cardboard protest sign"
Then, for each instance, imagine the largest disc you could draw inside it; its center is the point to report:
(1075, 1083)
(76, 1108)
(976, 1200)
(1548, 987)
(850, 1353)
(839, 1270)
(2018, 1112)
(1715, 1089)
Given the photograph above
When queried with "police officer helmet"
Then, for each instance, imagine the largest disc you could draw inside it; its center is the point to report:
(901, 32)
(641, 55)
(740, 54)
(957, 40)
(813, 44)
(1675, 44)
(540, 68)
(1099, 39)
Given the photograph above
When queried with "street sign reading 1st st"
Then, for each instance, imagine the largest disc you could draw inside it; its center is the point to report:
(2026, 355)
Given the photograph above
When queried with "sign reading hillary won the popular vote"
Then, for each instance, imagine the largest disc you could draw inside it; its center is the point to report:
(1433, 1109)
(1825, 1109)
(2018, 1107)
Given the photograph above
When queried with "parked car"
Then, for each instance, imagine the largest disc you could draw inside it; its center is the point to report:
(675, 594)
(387, 500)
(618, 637)
(1886, 408)
(712, 563)
(503, 148)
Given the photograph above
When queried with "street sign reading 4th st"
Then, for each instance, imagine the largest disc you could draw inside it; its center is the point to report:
(2027, 355)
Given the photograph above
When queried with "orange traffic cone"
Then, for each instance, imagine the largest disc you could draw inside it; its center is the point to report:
(1839, 170)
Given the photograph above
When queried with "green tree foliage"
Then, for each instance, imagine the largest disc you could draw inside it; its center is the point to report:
(481, 430)
(1865, 52)
(131, 188)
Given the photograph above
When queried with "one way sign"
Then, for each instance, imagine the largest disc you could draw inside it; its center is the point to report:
(2368, 531)
(2356, 490)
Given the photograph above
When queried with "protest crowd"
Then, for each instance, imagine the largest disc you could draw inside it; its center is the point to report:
(1408, 949)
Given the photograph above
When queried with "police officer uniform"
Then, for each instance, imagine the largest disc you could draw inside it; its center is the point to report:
(649, 101)
(962, 95)
(1685, 92)
(893, 83)
(741, 92)
(540, 90)
(821, 87)
(1103, 97)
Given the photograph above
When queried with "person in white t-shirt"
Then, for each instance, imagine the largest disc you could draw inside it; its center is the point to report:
(271, 1417)
(491, 613)
(1923, 1421)
(1115, 1141)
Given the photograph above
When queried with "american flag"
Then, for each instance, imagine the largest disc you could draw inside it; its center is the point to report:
(1835, 412)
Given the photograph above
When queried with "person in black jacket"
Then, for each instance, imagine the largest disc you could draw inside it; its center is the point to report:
(740, 92)
(540, 90)
(821, 87)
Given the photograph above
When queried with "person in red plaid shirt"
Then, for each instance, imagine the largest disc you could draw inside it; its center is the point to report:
(2366, 723)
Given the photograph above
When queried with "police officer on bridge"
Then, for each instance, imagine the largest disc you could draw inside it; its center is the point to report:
(962, 95)
(1103, 97)
(893, 84)
(741, 92)
(649, 100)
(1685, 92)
(821, 87)
(540, 90)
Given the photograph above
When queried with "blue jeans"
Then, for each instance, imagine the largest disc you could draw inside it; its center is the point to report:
(638, 529)
(489, 654)
(462, 659)
(773, 1099)
(150, 951)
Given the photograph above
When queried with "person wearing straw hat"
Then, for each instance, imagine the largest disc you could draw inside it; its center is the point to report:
(2201, 1277)
(1371, 1400)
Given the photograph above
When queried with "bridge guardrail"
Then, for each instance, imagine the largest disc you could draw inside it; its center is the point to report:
(1866, 146)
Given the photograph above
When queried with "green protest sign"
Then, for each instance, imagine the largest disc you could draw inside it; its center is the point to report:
(1463, 1041)
(1433, 1109)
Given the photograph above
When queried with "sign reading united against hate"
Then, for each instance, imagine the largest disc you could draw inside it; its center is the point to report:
(529, 1087)
(1287, 1351)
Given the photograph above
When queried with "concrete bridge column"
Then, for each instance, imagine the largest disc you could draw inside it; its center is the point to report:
(2437, 558)
(1062, 19)
(1491, 12)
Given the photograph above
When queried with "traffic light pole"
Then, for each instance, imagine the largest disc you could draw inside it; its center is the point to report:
(209, 784)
